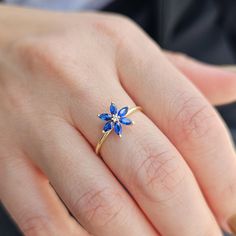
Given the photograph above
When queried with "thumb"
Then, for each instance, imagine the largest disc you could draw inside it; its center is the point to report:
(217, 83)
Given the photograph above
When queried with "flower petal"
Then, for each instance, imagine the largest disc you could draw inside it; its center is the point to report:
(123, 111)
(108, 126)
(113, 108)
(125, 121)
(118, 128)
(105, 116)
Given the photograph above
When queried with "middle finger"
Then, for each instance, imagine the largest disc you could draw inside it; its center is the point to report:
(86, 186)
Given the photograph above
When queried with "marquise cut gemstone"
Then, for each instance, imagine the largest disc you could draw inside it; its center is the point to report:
(113, 109)
(125, 121)
(115, 119)
(105, 116)
(118, 128)
(108, 126)
(123, 111)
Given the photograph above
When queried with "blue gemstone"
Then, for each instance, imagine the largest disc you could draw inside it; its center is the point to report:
(118, 128)
(105, 116)
(108, 126)
(125, 121)
(123, 111)
(113, 108)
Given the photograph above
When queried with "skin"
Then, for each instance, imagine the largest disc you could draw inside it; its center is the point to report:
(172, 173)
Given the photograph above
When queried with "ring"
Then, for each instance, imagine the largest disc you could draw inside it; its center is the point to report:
(114, 121)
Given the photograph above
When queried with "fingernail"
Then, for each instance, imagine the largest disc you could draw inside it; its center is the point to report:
(232, 224)
(231, 68)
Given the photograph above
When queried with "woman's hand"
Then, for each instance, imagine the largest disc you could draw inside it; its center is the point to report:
(172, 173)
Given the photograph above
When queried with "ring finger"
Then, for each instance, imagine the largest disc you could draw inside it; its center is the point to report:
(149, 166)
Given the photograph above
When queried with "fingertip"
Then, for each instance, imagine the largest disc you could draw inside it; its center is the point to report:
(217, 83)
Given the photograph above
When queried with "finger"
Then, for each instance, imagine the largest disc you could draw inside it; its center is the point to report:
(149, 166)
(216, 83)
(187, 119)
(31, 201)
(85, 184)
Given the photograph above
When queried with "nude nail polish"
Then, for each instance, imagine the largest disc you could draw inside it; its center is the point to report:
(232, 224)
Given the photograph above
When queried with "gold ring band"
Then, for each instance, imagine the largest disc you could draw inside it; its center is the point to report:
(105, 135)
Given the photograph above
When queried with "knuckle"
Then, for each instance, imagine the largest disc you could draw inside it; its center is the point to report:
(41, 225)
(104, 28)
(114, 22)
(30, 48)
(195, 118)
(37, 53)
(44, 57)
(116, 28)
(35, 225)
(15, 102)
(157, 174)
(124, 22)
(99, 206)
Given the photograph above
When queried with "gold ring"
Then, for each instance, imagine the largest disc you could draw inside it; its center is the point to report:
(114, 120)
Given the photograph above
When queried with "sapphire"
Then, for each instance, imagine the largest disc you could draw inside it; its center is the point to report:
(105, 116)
(125, 121)
(115, 119)
(118, 128)
(113, 108)
(108, 126)
(123, 111)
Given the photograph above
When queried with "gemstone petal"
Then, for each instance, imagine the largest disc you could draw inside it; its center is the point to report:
(105, 116)
(113, 108)
(125, 121)
(118, 128)
(108, 126)
(123, 111)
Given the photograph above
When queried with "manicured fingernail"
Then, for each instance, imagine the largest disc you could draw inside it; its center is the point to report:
(232, 224)
(230, 68)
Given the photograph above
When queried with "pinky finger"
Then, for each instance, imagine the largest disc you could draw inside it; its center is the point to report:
(33, 204)
(217, 83)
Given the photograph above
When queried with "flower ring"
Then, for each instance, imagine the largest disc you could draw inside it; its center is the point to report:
(114, 121)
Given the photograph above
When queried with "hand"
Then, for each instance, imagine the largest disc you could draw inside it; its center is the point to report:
(172, 173)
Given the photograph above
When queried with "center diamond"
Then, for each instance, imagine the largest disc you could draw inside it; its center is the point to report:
(115, 118)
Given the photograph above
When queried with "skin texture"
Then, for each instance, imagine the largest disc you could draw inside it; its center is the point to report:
(172, 173)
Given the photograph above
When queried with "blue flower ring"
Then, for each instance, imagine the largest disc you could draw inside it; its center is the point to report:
(114, 121)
